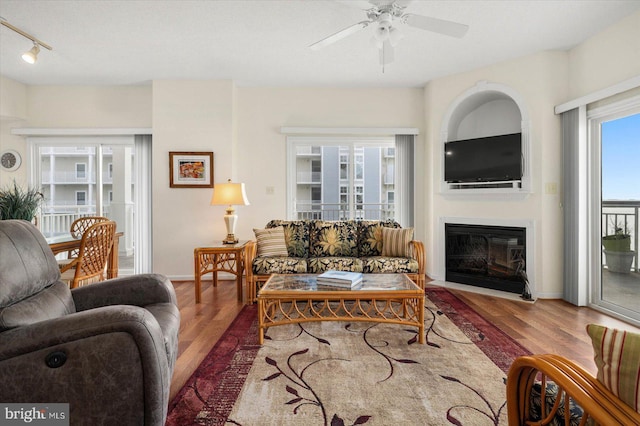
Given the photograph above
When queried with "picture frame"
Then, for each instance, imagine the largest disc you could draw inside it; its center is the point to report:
(190, 169)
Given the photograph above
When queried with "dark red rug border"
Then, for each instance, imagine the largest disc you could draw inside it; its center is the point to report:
(213, 372)
(485, 335)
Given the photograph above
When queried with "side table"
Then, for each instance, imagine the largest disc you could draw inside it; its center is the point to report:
(219, 257)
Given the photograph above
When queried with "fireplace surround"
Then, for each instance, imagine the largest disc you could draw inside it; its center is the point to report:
(495, 254)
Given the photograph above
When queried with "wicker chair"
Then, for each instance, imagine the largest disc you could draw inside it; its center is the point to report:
(78, 227)
(566, 392)
(89, 267)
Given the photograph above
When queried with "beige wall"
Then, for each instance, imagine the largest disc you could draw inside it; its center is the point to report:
(607, 58)
(539, 80)
(262, 148)
(13, 112)
(188, 116)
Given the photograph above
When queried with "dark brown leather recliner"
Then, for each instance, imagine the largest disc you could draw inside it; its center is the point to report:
(107, 349)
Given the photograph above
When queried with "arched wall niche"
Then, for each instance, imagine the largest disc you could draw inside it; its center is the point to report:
(487, 109)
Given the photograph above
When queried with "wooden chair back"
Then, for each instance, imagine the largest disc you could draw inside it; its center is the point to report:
(95, 247)
(79, 226)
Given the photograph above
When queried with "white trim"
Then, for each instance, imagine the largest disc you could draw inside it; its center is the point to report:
(481, 92)
(49, 131)
(623, 108)
(632, 83)
(593, 270)
(391, 131)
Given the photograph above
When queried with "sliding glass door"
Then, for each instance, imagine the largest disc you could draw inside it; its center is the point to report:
(95, 176)
(616, 132)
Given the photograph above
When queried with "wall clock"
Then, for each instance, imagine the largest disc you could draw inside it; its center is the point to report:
(10, 160)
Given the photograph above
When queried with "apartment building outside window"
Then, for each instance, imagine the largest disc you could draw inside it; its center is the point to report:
(351, 180)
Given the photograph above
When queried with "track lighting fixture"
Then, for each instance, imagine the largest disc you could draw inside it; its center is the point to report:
(31, 56)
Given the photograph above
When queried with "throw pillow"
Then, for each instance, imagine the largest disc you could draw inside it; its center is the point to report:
(271, 242)
(333, 238)
(617, 356)
(396, 242)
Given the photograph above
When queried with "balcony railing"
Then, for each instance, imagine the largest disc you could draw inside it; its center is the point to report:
(328, 211)
(71, 177)
(57, 220)
(308, 177)
(624, 215)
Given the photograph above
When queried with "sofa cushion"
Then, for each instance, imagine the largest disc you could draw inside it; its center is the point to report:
(383, 265)
(370, 236)
(551, 395)
(397, 242)
(317, 265)
(617, 356)
(279, 265)
(271, 242)
(296, 236)
(329, 238)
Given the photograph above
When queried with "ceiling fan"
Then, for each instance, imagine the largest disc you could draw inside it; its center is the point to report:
(386, 14)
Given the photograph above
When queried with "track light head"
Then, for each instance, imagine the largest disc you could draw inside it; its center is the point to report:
(31, 56)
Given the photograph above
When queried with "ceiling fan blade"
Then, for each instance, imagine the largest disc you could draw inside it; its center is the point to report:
(441, 26)
(339, 35)
(386, 53)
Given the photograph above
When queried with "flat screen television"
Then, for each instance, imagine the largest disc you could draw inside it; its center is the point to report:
(489, 159)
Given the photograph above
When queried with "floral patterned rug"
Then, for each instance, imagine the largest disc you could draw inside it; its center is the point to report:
(353, 373)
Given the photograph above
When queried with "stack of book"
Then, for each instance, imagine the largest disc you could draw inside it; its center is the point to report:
(342, 279)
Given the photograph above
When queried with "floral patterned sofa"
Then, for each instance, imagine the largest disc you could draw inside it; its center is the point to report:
(314, 246)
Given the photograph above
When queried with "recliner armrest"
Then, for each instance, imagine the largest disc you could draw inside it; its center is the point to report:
(137, 290)
(114, 350)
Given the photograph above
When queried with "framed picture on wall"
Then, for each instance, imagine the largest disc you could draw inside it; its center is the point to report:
(191, 169)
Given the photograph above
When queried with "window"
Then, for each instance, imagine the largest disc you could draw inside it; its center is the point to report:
(81, 170)
(615, 135)
(316, 198)
(316, 170)
(359, 164)
(73, 173)
(352, 182)
(344, 166)
(81, 198)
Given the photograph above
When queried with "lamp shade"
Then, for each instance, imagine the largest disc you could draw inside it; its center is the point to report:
(229, 194)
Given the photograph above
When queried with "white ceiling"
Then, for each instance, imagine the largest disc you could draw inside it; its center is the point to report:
(265, 42)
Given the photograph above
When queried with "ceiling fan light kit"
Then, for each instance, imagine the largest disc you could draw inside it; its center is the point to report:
(31, 55)
(386, 35)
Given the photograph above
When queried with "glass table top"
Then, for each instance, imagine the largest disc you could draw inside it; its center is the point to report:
(308, 282)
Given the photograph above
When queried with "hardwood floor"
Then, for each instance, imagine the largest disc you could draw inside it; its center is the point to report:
(546, 326)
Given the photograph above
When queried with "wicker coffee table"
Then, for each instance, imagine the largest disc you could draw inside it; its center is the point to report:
(297, 298)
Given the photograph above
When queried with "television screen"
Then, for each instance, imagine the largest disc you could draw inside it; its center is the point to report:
(490, 159)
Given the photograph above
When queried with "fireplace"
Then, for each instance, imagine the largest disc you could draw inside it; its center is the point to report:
(486, 256)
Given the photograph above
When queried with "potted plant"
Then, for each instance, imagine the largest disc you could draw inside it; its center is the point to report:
(19, 203)
(617, 250)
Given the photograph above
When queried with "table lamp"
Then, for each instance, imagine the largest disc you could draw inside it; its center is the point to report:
(229, 194)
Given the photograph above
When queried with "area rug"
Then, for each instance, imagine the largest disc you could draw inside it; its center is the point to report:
(353, 373)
